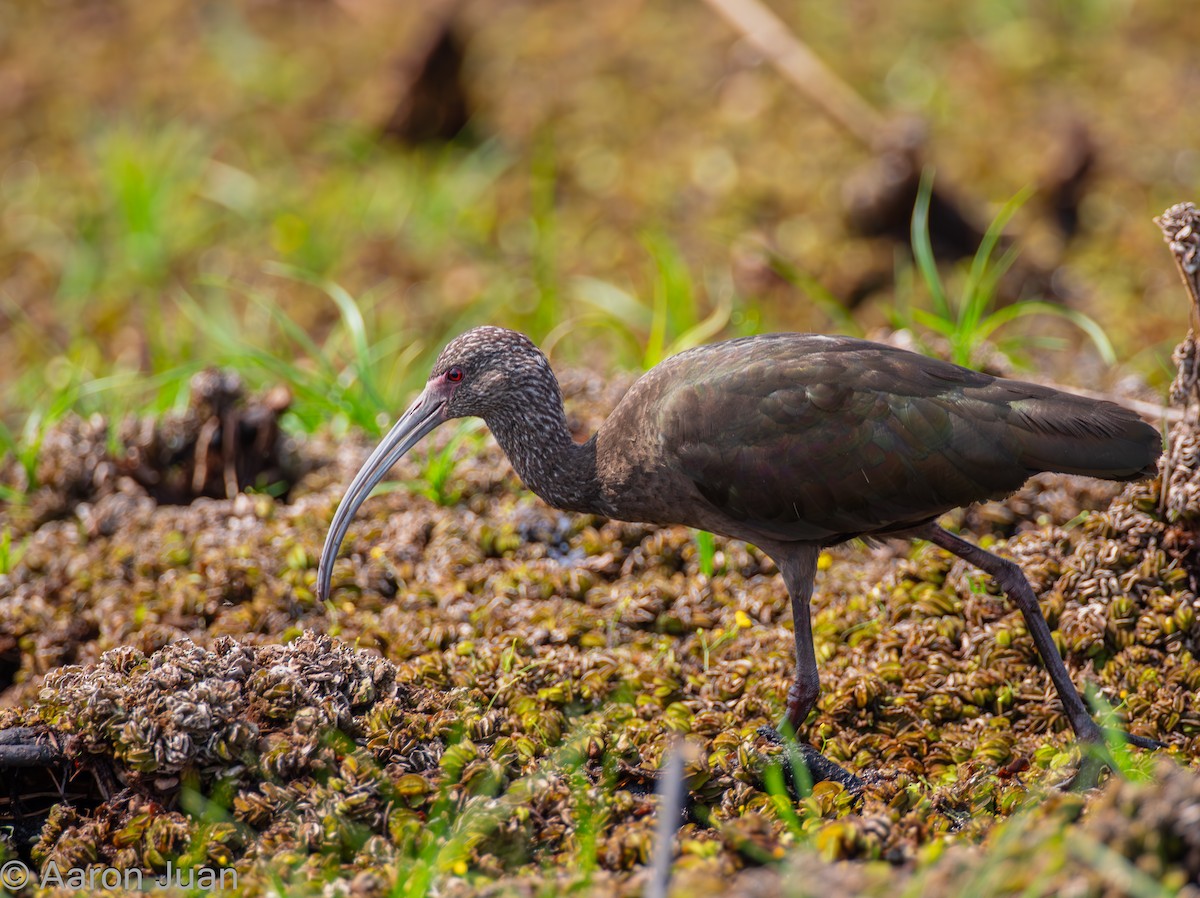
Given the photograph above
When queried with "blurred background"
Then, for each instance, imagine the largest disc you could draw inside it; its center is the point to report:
(321, 192)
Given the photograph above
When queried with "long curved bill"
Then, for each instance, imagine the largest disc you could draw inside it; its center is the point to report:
(422, 416)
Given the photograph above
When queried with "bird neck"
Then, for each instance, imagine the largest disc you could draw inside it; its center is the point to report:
(547, 459)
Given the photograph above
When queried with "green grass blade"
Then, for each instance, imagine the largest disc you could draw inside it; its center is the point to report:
(923, 248)
(832, 307)
(351, 316)
(979, 289)
(674, 298)
(1115, 869)
(295, 333)
(705, 329)
(705, 551)
(353, 319)
(994, 273)
(1088, 325)
(933, 322)
(983, 279)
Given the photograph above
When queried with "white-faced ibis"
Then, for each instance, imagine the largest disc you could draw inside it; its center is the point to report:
(792, 442)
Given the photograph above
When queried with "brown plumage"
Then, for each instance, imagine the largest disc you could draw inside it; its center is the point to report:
(790, 441)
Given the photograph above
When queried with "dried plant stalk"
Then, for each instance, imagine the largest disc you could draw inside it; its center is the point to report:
(1180, 496)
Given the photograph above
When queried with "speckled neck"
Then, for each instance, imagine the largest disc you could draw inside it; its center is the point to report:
(533, 433)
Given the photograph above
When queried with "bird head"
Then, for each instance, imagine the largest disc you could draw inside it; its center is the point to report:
(481, 373)
(488, 371)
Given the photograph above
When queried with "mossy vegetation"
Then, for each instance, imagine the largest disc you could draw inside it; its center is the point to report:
(502, 682)
(205, 232)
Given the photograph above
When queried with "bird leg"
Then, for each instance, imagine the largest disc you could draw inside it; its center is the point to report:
(798, 565)
(798, 571)
(1015, 585)
(1012, 580)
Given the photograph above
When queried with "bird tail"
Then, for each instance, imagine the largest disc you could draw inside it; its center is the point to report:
(1073, 435)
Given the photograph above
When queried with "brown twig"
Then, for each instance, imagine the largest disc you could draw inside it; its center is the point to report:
(1181, 230)
(801, 66)
(879, 196)
(672, 789)
(1180, 493)
(27, 747)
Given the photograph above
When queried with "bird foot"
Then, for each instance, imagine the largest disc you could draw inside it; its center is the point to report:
(1141, 741)
(820, 768)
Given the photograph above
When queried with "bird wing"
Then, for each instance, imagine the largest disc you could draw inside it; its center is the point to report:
(816, 438)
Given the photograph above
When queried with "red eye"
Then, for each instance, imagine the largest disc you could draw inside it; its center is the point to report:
(454, 375)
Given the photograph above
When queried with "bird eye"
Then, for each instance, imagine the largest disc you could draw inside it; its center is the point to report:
(454, 375)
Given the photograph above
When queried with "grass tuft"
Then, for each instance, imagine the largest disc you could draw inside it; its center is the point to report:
(970, 320)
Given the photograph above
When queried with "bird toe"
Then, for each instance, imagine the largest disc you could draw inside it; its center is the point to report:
(808, 763)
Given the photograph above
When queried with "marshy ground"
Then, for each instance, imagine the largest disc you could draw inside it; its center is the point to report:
(223, 268)
(485, 702)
